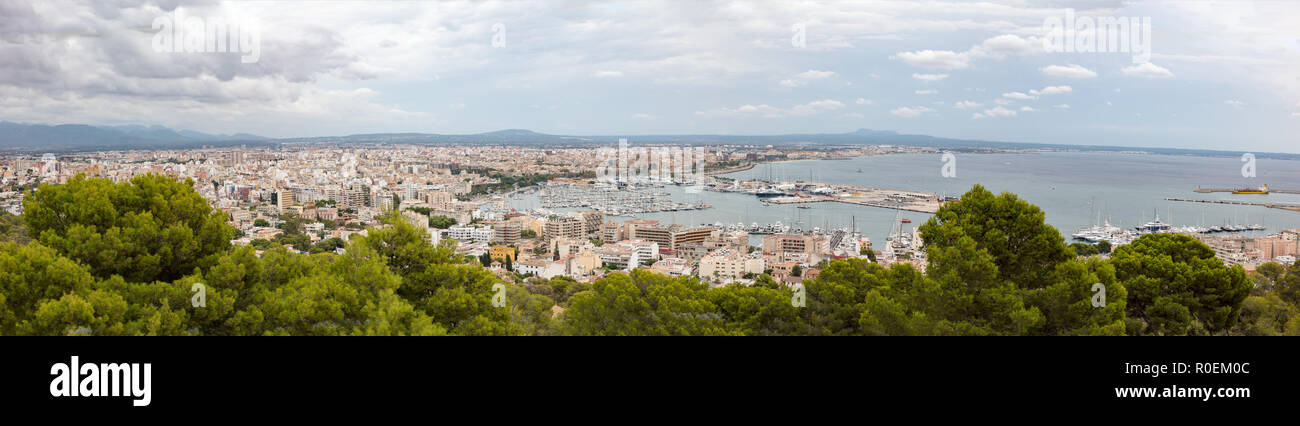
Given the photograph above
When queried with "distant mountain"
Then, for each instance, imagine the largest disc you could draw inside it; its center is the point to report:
(77, 137)
(73, 137)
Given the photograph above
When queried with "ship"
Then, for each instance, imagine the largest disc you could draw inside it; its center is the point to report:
(905, 220)
(1263, 189)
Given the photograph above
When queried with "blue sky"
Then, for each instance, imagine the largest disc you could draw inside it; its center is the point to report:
(1222, 75)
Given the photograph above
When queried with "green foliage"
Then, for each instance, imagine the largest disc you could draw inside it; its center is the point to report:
(441, 222)
(151, 228)
(1177, 286)
(12, 228)
(994, 268)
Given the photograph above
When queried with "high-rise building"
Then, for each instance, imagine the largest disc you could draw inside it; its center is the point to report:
(565, 227)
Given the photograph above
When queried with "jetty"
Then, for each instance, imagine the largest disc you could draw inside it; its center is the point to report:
(1283, 206)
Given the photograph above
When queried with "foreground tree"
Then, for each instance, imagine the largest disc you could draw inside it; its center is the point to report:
(1176, 286)
(151, 228)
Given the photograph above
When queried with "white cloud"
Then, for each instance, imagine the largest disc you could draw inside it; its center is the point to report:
(814, 75)
(926, 92)
(768, 111)
(607, 74)
(801, 79)
(1056, 90)
(937, 59)
(1068, 71)
(1062, 106)
(817, 107)
(910, 112)
(1017, 95)
(929, 77)
(994, 112)
(1027, 109)
(851, 115)
(643, 116)
(1235, 103)
(996, 47)
(966, 104)
(863, 101)
(1147, 70)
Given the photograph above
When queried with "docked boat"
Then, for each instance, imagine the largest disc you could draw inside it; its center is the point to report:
(1263, 189)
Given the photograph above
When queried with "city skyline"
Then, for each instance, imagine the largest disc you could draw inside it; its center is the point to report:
(957, 70)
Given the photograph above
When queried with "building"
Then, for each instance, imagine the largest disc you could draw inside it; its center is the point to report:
(565, 227)
(628, 254)
(502, 253)
(475, 234)
(673, 267)
(611, 232)
(672, 237)
(508, 233)
(727, 265)
(592, 218)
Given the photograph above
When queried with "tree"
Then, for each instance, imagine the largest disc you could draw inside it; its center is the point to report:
(12, 228)
(153, 227)
(796, 271)
(441, 222)
(1176, 285)
(1022, 246)
(261, 222)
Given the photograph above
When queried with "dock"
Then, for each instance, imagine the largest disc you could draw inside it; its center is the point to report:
(1271, 190)
(1283, 206)
(897, 199)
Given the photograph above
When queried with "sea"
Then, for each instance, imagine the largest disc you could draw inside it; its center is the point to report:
(1074, 189)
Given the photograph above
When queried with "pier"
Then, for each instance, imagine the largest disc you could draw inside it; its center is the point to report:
(897, 199)
(1271, 190)
(1283, 206)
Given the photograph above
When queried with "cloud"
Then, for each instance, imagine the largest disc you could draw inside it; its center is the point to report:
(994, 112)
(863, 101)
(1068, 71)
(607, 74)
(1027, 109)
(1235, 103)
(643, 116)
(1062, 106)
(768, 111)
(814, 75)
(910, 112)
(1017, 95)
(1147, 70)
(1052, 90)
(966, 104)
(995, 47)
(929, 77)
(937, 59)
(801, 79)
(851, 115)
(926, 92)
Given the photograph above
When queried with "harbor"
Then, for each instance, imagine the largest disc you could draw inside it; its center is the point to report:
(806, 192)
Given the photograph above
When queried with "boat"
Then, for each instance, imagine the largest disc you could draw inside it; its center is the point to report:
(906, 220)
(804, 206)
(1154, 226)
(1263, 189)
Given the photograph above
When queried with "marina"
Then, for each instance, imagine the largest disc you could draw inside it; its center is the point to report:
(612, 200)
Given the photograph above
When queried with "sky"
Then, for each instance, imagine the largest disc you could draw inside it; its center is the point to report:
(1219, 75)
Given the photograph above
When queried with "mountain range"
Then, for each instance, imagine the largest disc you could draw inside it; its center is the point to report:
(81, 137)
